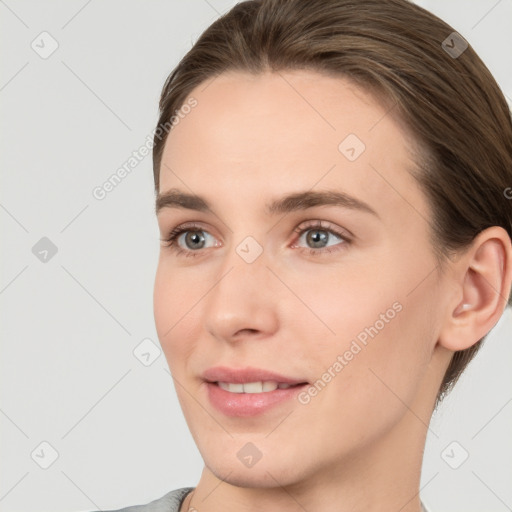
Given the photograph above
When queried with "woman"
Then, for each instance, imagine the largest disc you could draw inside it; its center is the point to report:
(331, 183)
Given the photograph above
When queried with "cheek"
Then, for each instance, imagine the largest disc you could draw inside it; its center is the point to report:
(378, 347)
(173, 299)
(366, 387)
(163, 304)
(343, 305)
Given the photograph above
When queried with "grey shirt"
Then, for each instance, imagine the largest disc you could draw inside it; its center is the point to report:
(171, 502)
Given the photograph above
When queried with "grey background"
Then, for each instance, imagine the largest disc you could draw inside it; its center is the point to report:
(69, 376)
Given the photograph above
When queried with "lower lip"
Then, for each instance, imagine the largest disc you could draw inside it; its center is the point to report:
(249, 404)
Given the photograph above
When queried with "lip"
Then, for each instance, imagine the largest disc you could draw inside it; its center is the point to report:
(247, 374)
(248, 404)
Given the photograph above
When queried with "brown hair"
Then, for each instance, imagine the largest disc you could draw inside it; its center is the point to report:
(393, 48)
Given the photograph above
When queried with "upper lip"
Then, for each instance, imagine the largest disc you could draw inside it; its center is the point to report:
(247, 374)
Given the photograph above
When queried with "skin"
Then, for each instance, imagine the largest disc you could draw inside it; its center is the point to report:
(358, 444)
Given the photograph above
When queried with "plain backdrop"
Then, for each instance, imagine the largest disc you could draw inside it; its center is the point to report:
(74, 397)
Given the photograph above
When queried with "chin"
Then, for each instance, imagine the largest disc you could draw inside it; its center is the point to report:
(269, 472)
(250, 477)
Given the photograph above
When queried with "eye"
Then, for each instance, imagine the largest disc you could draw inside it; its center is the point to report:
(317, 235)
(194, 237)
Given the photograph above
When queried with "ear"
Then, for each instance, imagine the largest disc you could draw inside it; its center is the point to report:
(483, 277)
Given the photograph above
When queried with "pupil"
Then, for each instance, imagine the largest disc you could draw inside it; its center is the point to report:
(195, 238)
(318, 238)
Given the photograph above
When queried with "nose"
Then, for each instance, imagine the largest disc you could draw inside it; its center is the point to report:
(244, 302)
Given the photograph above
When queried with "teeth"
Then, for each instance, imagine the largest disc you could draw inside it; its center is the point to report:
(233, 388)
(253, 387)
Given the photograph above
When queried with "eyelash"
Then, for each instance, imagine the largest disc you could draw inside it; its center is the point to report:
(170, 241)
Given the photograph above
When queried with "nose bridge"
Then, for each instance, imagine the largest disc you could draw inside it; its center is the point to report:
(242, 297)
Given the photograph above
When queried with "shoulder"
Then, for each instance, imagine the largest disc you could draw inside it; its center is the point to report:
(170, 502)
(424, 508)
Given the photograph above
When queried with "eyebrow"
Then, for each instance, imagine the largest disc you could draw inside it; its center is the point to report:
(297, 201)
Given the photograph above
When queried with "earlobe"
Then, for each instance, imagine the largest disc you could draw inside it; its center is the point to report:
(484, 276)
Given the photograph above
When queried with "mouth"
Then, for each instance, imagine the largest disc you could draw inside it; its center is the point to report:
(249, 391)
(256, 387)
(249, 379)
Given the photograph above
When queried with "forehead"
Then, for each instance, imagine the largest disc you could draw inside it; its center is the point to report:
(274, 112)
(262, 134)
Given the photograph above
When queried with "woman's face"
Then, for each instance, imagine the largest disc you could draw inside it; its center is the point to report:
(352, 307)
